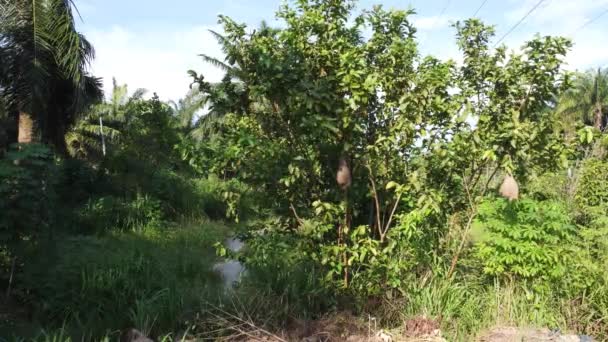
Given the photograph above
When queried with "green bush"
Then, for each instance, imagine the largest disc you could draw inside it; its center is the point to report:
(229, 199)
(524, 239)
(592, 188)
(177, 194)
(550, 186)
(279, 269)
(105, 213)
(77, 181)
(27, 196)
(149, 279)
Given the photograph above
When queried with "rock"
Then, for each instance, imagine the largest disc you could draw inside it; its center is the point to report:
(514, 334)
(134, 335)
(421, 326)
(382, 336)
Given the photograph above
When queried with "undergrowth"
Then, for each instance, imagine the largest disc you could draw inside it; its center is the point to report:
(151, 278)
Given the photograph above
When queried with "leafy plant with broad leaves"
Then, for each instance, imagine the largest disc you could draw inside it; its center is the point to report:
(524, 239)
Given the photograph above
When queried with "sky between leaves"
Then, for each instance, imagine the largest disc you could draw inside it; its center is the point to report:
(151, 44)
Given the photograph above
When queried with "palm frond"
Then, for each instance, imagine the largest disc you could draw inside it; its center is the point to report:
(216, 62)
(138, 94)
(187, 108)
(225, 44)
(589, 90)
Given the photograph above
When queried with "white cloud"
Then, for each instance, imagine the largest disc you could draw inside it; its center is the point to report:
(434, 22)
(564, 15)
(159, 59)
(589, 51)
(563, 18)
(156, 61)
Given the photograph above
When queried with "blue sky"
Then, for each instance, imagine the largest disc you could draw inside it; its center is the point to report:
(151, 44)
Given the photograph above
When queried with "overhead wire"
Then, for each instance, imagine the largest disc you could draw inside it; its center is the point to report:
(479, 8)
(589, 22)
(445, 7)
(519, 22)
(447, 3)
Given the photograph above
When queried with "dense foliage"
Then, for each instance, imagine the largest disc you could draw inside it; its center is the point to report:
(117, 225)
(320, 91)
(44, 78)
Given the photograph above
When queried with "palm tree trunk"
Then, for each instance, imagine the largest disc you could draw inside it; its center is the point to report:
(26, 128)
(597, 118)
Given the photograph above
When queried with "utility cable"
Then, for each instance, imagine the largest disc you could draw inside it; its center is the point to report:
(445, 7)
(589, 22)
(479, 8)
(519, 22)
(447, 3)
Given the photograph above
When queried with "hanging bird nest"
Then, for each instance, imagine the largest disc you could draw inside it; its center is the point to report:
(343, 177)
(509, 188)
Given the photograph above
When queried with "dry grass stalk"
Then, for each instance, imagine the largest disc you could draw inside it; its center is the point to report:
(241, 327)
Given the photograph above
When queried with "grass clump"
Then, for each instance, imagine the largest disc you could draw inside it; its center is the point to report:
(150, 278)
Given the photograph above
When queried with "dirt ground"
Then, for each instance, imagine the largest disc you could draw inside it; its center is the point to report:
(348, 328)
(512, 334)
(344, 327)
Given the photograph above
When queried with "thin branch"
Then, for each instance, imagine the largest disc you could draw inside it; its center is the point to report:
(485, 189)
(251, 325)
(468, 225)
(295, 214)
(390, 218)
(375, 194)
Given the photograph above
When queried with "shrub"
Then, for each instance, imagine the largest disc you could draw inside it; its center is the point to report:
(280, 269)
(550, 186)
(229, 199)
(77, 182)
(27, 178)
(147, 279)
(109, 212)
(178, 195)
(592, 189)
(525, 239)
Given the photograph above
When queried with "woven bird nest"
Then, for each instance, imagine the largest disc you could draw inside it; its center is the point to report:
(509, 188)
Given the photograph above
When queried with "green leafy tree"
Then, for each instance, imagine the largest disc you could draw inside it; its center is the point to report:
(45, 60)
(403, 123)
(234, 59)
(232, 94)
(225, 97)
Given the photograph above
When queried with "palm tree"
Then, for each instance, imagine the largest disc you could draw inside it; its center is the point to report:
(44, 75)
(219, 99)
(186, 109)
(227, 96)
(103, 124)
(587, 101)
(4, 123)
(234, 63)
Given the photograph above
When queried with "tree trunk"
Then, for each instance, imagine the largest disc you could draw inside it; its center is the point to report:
(26, 128)
(597, 118)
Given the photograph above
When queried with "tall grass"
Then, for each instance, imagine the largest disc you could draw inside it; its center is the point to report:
(150, 278)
